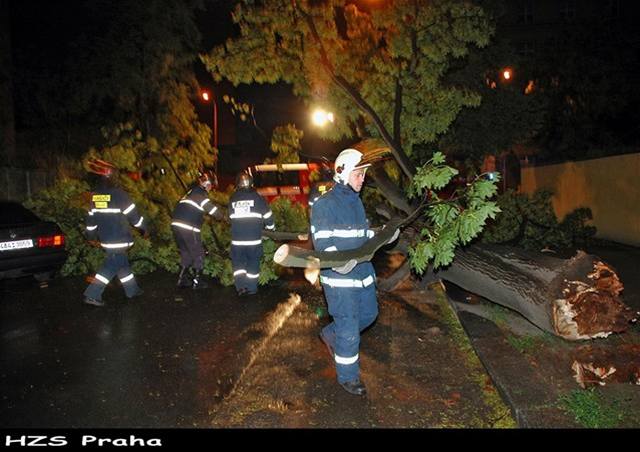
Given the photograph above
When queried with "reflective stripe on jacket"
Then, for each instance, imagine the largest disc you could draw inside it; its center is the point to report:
(249, 214)
(110, 216)
(190, 210)
(339, 223)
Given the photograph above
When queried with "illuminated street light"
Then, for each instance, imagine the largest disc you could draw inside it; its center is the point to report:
(321, 117)
(507, 73)
(208, 97)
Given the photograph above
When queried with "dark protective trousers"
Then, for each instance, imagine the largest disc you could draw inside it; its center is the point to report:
(246, 266)
(190, 247)
(352, 309)
(116, 263)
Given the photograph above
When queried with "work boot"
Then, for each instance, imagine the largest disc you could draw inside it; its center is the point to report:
(183, 278)
(354, 387)
(198, 280)
(93, 301)
(327, 344)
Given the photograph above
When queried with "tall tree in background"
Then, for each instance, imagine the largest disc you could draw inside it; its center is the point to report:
(511, 111)
(588, 76)
(383, 69)
(100, 63)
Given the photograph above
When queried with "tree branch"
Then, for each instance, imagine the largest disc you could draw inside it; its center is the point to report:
(403, 160)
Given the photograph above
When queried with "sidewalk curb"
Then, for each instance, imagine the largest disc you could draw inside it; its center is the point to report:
(531, 404)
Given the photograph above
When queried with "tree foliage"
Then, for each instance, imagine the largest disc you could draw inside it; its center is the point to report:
(453, 220)
(285, 144)
(394, 56)
(529, 221)
(383, 70)
(588, 76)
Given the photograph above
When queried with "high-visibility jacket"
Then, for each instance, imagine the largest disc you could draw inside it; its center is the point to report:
(339, 223)
(189, 212)
(249, 214)
(111, 213)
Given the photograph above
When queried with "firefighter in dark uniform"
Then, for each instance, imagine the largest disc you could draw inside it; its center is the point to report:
(339, 223)
(320, 188)
(109, 219)
(186, 223)
(249, 214)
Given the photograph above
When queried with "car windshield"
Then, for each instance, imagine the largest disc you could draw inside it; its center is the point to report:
(14, 213)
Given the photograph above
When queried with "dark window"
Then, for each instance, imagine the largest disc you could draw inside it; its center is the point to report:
(14, 213)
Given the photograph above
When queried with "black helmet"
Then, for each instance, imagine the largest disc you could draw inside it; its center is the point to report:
(244, 180)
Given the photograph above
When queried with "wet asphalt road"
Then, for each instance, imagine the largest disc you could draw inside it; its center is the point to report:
(154, 361)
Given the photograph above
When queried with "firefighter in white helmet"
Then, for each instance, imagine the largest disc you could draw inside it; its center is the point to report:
(339, 223)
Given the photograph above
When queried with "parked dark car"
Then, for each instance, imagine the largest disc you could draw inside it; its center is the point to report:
(29, 245)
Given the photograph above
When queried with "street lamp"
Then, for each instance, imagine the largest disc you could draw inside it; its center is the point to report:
(507, 73)
(321, 117)
(208, 97)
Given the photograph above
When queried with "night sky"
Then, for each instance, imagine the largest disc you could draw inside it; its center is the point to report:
(50, 41)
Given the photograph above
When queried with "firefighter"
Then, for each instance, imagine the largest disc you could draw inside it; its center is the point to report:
(109, 219)
(186, 223)
(339, 223)
(249, 214)
(320, 188)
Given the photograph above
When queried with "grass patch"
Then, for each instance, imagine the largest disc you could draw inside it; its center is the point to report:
(523, 344)
(501, 415)
(590, 410)
(498, 315)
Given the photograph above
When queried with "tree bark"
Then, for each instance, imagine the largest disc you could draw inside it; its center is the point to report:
(390, 190)
(291, 256)
(577, 298)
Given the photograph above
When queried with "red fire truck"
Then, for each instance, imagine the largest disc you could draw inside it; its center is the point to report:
(289, 180)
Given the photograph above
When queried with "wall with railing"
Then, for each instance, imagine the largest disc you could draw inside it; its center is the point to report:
(18, 184)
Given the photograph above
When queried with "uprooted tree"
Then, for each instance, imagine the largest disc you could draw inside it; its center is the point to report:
(387, 71)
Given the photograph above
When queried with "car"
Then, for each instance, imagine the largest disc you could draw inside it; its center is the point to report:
(29, 245)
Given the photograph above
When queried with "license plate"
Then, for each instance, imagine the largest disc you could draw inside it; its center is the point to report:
(16, 245)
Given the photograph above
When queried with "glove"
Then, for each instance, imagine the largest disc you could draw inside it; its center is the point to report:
(395, 236)
(346, 268)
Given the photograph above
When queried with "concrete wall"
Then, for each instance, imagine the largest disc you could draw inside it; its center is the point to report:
(609, 186)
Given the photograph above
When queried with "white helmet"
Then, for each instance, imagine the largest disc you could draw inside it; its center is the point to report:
(346, 162)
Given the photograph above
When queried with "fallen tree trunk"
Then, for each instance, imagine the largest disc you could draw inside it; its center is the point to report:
(577, 298)
(292, 256)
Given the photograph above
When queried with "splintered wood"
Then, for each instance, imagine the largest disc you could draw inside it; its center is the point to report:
(593, 308)
(595, 366)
